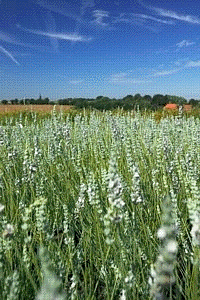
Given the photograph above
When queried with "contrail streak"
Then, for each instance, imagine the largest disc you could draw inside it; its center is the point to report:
(9, 55)
(61, 36)
(11, 40)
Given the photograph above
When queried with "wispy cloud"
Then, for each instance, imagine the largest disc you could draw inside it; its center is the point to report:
(100, 15)
(181, 67)
(171, 14)
(180, 46)
(147, 17)
(60, 36)
(9, 55)
(135, 19)
(180, 62)
(184, 43)
(11, 40)
(192, 64)
(177, 16)
(165, 73)
(147, 76)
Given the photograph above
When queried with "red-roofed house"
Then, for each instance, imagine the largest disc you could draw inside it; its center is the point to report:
(171, 106)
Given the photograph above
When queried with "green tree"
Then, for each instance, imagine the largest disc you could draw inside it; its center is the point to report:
(14, 101)
(137, 97)
(99, 97)
(46, 100)
(105, 99)
(193, 102)
(27, 101)
(176, 99)
(128, 97)
(159, 101)
(147, 98)
(4, 101)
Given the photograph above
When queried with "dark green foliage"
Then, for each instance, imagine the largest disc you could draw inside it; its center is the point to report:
(4, 101)
(129, 102)
(194, 102)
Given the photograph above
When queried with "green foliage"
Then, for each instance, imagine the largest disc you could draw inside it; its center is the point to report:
(193, 102)
(176, 99)
(4, 101)
(128, 102)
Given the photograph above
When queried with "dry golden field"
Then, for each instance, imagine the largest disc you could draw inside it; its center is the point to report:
(47, 108)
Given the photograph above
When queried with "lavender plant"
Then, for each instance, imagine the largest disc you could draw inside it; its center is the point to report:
(163, 271)
(89, 187)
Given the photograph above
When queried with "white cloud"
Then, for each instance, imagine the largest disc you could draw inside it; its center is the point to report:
(124, 78)
(180, 62)
(11, 40)
(135, 19)
(184, 43)
(99, 15)
(180, 67)
(165, 73)
(9, 55)
(176, 16)
(153, 19)
(61, 36)
(192, 64)
(176, 47)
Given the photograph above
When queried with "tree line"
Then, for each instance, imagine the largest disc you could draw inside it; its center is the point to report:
(106, 103)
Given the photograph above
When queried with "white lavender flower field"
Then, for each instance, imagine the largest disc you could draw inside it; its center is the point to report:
(100, 206)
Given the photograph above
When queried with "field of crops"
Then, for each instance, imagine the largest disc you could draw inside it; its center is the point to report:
(100, 206)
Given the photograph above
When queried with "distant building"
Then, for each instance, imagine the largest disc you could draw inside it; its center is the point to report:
(175, 107)
(187, 107)
(171, 106)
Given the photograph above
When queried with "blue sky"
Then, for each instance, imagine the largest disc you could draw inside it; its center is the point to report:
(87, 48)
